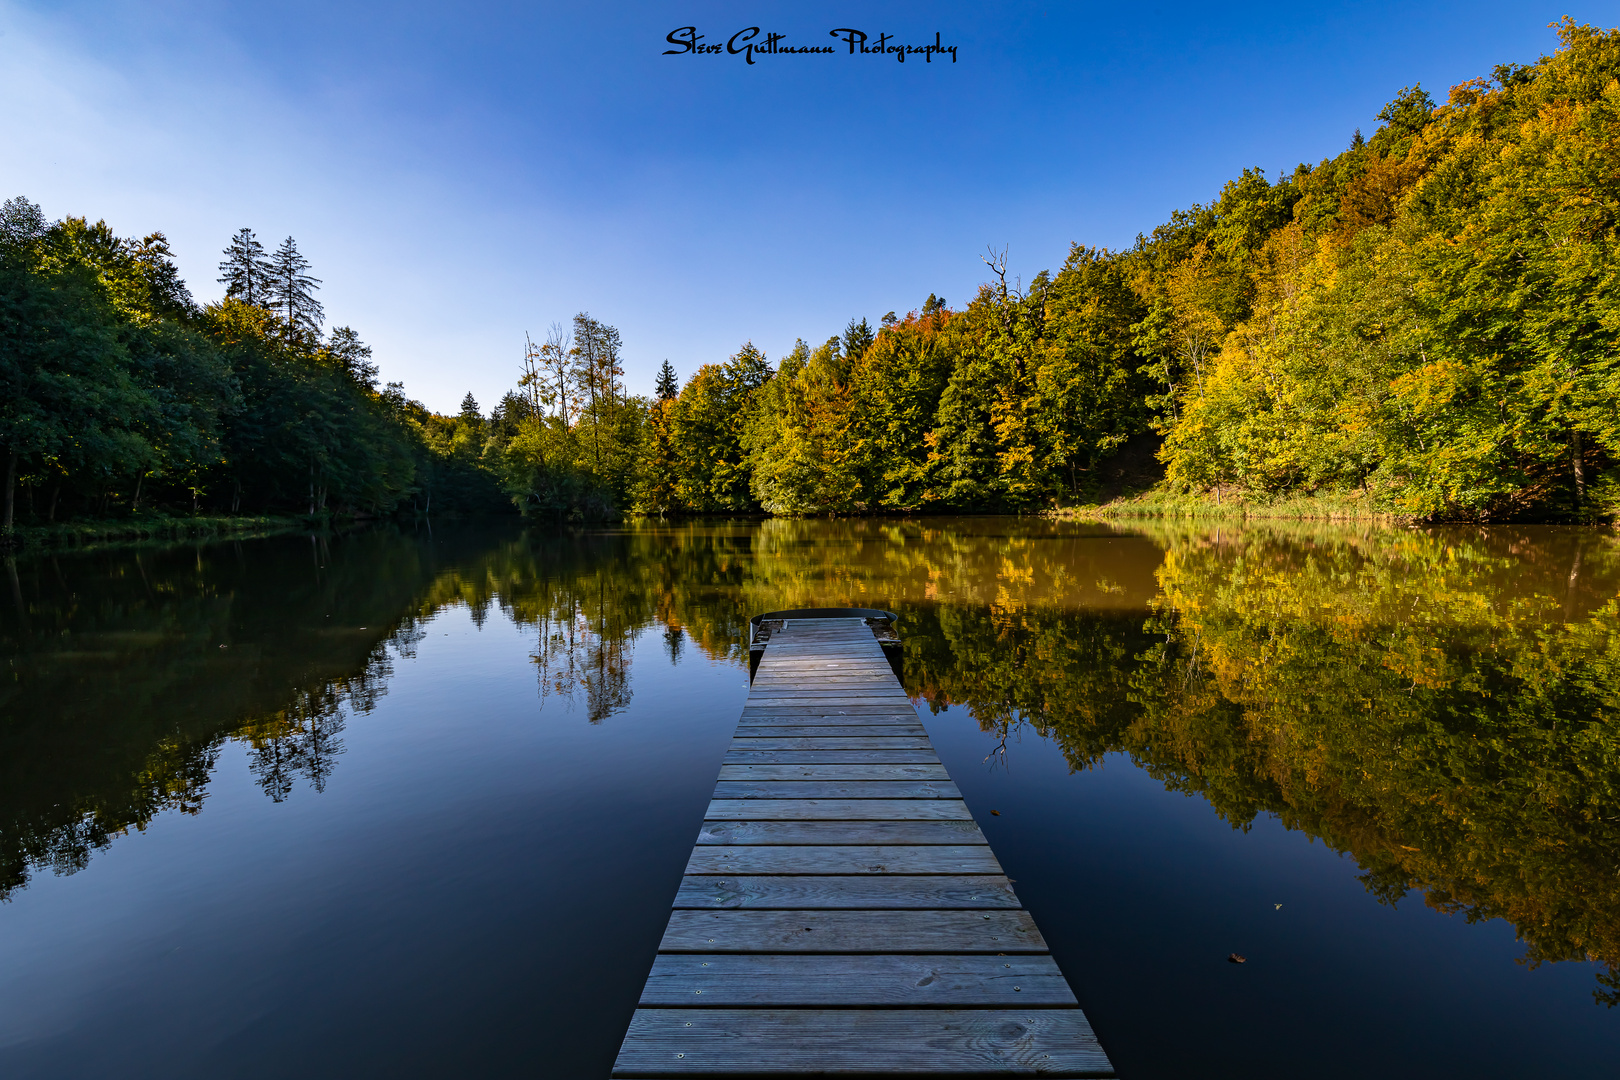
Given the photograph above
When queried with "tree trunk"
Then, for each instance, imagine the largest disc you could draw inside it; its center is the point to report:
(1579, 468)
(56, 492)
(135, 508)
(312, 489)
(11, 490)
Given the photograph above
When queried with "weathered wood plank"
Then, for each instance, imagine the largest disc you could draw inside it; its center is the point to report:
(745, 930)
(781, 667)
(856, 682)
(837, 809)
(846, 717)
(833, 731)
(836, 789)
(833, 772)
(717, 980)
(865, 892)
(843, 859)
(756, 743)
(891, 696)
(755, 832)
(830, 757)
(762, 1042)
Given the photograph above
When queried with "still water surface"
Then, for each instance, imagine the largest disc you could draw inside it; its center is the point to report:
(415, 804)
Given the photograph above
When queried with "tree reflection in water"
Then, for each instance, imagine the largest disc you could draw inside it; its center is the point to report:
(1444, 708)
(1440, 705)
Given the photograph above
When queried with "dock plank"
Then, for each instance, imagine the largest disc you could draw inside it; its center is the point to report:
(795, 809)
(798, 731)
(836, 789)
(754, 832)
(871, 892)
(750, 930)
(757, 743)
(807, 980)
(883, 756)
(843, 859)
(757, 773)
(762, 1042)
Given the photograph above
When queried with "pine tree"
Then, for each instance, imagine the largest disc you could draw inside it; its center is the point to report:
(292, 292)
(668, 386)
(470, 410)
(858, 338)
(245, 272)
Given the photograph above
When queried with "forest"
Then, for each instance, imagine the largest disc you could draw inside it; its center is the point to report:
(1426, 323)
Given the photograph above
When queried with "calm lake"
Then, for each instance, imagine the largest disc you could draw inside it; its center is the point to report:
(415, 803)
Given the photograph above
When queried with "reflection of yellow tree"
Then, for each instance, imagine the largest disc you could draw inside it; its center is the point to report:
(1405, 701)
(1445, 708)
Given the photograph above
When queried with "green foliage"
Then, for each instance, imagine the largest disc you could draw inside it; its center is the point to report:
(1436, 325)
(122, 396)
(707, 425)
(1425, 323)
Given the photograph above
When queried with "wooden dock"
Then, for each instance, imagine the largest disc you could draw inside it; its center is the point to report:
(841, 913)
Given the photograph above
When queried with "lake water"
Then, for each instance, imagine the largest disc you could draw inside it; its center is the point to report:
(415, 803)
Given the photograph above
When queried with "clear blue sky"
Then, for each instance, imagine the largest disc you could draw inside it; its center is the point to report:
(460, 174)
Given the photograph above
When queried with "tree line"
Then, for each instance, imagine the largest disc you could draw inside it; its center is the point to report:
(1426, 321)
(119, 392)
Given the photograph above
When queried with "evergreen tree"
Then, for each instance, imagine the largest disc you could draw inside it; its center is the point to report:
(292, 292)
(245, 272)
(858, 337)
(668, 387)
(346, 352)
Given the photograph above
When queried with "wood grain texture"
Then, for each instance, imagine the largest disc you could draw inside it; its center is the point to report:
(843, 859)
(841, 717)
(754, 832)
(804, 980)
(833, 772)
(836, 789)
(839, 809)
(895, 892)
(747, 930)
(762, 1042)
(800, 731)
(758, 743)
(831, 757)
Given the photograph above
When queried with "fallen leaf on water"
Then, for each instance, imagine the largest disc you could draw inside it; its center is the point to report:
(996, 812)
(1279, 907)
(1237, 958)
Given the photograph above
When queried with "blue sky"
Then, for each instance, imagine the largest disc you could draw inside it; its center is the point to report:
(460, 174)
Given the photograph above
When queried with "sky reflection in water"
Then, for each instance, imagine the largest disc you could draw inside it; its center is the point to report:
(413, 804)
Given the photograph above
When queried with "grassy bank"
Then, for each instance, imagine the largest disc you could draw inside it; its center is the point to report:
(1234, 505)
(85, 534)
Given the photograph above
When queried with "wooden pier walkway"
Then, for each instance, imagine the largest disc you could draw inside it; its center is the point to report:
(841, 913)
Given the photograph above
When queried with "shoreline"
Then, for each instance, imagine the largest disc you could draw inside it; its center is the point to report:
(88, 535)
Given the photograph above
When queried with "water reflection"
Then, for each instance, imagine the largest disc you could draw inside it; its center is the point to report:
(1441, 706)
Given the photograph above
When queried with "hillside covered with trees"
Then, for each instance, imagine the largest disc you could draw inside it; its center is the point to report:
(1426, 322)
